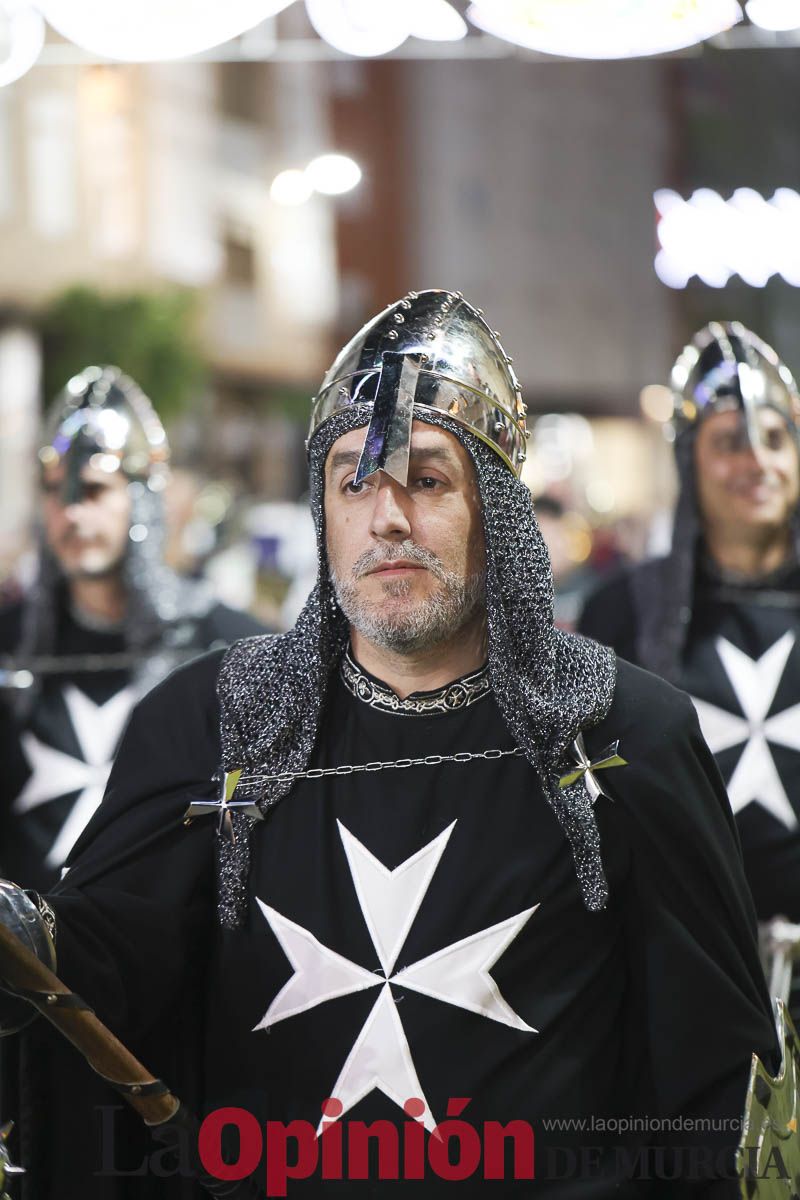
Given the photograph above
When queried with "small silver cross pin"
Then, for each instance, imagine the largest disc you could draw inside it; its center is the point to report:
(585, 767)
(224, 805)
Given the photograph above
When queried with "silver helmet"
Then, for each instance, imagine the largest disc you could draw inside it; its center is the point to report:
(102, 418)
(725, 366)
(430, 351)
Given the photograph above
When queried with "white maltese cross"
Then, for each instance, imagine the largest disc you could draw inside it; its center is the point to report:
(459, 974)
(755, 682)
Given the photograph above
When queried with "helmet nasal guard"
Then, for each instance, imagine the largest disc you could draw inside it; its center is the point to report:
(429, 351)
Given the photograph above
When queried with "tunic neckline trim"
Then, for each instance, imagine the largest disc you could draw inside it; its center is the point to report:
(454, 696)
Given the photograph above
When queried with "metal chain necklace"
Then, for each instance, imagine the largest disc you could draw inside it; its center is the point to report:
(399, 764)
(230, 783)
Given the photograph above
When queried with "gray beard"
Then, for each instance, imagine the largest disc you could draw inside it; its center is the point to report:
(418, 627)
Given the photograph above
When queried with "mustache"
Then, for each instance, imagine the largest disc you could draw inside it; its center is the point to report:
(393, 552)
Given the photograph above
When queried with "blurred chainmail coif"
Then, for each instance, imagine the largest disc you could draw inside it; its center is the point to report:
(664, 589)
(159, 603)
(549, 685)
(725, 366)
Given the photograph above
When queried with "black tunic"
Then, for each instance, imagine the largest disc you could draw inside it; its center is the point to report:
(55, 768)
(420, 933)
(741, 666)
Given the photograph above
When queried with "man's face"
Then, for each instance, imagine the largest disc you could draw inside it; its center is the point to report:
(90, 536)
(407, 562)
(742, 490)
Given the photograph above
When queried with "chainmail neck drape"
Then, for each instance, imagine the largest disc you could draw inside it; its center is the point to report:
(548, 684)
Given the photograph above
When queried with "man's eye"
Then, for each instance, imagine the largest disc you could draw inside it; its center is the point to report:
(428, 483)
(354, 489)
(776, 439)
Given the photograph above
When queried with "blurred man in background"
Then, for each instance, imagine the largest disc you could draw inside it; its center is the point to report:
(105, 620)
(720, 615)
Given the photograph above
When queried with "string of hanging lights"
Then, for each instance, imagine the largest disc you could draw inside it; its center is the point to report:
(154, 30)
(159, 30)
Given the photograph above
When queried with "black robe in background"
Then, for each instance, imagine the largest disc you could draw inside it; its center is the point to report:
(56, 762)
(652, 1007)
(741, 666)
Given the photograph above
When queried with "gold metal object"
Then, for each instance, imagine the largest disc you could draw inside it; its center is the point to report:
(768, 1156)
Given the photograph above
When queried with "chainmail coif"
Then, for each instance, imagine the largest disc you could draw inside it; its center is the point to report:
(156, 599)
(663, 590)
(548, 684)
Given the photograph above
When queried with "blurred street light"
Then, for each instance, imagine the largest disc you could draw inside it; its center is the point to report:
(365, 28)
(328, 174)
(22, 33)
(604, 28)
(291, 187)
(776, 15)
(656, 402)
(333, 174)
(434, 20)
(154, 30)
(368, 28)
(715, 238)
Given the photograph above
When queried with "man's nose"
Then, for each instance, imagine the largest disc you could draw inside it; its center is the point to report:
(73, 512)
(390, 517)
(755, 457)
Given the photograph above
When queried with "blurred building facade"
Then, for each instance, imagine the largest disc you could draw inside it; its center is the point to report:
(527, 185)
(158, 174)
(136, 178)
(534, 195)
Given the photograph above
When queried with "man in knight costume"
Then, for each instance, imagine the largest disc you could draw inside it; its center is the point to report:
(105, 620)
(455, 861)
(720, 615)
